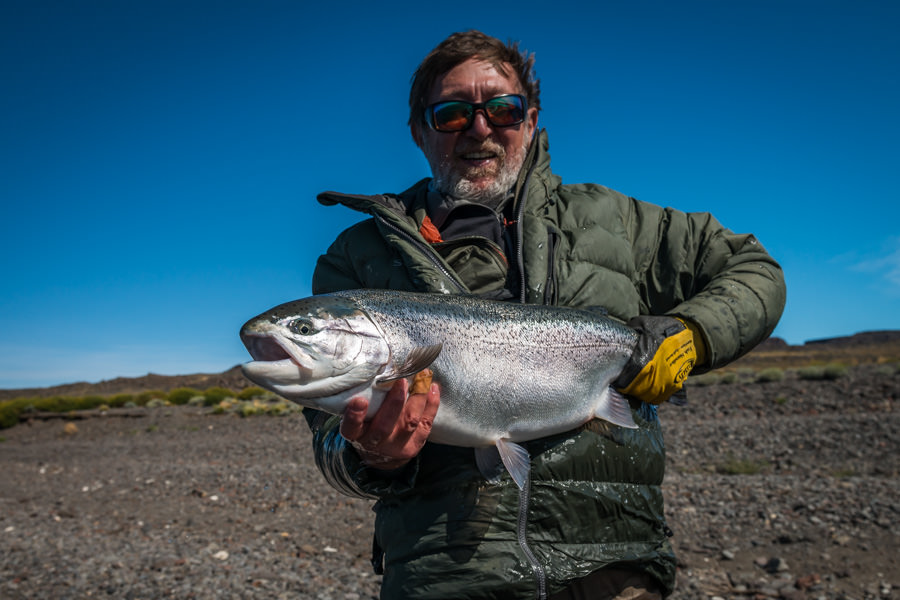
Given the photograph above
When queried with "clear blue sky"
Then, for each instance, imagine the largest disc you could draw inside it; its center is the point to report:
(160, 159)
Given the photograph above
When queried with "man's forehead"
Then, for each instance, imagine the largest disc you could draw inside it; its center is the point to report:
(472, 78)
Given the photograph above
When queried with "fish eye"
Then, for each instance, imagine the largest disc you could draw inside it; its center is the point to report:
(301, 326)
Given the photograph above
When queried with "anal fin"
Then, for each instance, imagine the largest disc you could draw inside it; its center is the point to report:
(516, 460)
(489, 463)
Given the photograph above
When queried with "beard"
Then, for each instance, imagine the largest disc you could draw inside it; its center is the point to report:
(488, 185)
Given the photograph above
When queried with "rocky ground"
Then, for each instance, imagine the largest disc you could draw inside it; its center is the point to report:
(788, 489)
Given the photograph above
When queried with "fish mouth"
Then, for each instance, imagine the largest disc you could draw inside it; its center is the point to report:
(273, 364)
(264, 348)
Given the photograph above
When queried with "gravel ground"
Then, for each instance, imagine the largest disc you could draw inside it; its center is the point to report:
(786, 489)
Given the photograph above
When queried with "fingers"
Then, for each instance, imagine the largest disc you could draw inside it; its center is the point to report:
(400, 427)
(385, 420)
(353, 421)
(417, 420)
(415, 404)
(433, 402)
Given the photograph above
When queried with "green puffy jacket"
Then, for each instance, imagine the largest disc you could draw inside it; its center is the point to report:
(594, 498)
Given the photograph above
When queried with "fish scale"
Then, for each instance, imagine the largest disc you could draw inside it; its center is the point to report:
(508, 373)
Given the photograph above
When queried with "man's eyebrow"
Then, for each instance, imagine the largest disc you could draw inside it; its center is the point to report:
(465, 97)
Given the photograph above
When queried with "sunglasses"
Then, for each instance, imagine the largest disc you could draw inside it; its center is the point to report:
(455, 115)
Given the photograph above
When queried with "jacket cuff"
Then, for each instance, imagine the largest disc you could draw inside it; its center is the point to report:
(699, 341)
(344, 470)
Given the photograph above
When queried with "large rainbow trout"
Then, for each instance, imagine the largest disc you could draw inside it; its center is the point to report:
(507, 372)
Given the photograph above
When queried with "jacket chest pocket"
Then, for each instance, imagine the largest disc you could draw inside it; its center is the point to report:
(478, 262)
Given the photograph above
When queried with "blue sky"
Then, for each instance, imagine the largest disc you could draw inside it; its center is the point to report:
(160, 160)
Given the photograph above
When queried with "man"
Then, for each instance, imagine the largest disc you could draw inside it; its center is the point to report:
(496, 222)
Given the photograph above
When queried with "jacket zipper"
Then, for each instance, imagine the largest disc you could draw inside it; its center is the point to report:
(550, 296)
(426, 251)
(540, 575)
(520, 212)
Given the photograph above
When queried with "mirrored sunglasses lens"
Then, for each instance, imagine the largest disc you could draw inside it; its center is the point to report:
(452, 116)
(505, 111)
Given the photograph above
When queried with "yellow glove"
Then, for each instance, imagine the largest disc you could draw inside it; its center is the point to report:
(666, 352)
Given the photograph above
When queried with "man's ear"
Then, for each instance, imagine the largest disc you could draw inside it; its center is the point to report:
(531, 119)
(416, 134)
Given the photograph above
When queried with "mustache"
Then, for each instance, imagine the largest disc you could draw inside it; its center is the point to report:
(485, 146)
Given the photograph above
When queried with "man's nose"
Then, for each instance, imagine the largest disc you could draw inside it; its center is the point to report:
(480, 128)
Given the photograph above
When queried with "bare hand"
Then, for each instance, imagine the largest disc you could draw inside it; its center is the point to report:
(399, 428)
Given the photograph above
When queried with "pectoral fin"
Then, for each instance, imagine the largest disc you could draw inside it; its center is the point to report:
(419, 358)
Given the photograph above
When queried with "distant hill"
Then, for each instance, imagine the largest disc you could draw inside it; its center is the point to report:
(232, 379)
(866, 338)
(866, 347)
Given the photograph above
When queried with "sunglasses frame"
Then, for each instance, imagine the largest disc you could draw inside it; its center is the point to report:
(476, 106)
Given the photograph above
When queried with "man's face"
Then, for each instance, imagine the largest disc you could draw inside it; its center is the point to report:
(481, 163)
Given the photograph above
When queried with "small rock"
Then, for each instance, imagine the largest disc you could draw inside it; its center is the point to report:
(807, 581)
(842, 540)
(221, 555)
(727, 555)
(776, 565)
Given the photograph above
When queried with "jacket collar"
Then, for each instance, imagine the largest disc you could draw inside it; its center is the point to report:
(413, 201)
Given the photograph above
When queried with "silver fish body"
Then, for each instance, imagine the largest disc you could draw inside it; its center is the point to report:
(507, 372)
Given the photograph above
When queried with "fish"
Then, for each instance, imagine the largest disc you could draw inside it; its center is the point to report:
(508, 373)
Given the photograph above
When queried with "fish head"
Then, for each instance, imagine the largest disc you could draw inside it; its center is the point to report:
(312, 351)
